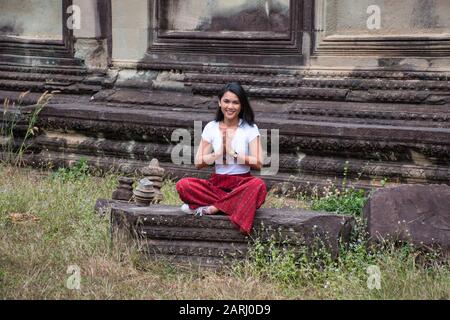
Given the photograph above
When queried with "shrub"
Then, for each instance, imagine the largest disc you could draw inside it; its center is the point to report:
(348, 201)
(79, 171)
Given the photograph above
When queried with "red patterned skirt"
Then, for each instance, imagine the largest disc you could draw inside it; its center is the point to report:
(238, 196)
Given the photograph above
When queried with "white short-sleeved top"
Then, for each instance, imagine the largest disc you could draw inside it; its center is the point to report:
(243, 136)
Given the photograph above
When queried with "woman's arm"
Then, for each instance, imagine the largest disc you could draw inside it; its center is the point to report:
(205, 157)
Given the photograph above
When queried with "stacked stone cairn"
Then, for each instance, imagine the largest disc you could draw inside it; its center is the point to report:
(149, 189)
(144, 194)
(124, 191)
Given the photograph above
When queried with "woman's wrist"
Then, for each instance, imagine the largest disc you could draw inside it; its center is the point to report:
(210, 159)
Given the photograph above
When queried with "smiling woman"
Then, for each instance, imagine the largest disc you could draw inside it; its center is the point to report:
(232, 143)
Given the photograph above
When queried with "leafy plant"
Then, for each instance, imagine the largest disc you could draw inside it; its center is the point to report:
(274, 261)
(79, 171)
(347, 201)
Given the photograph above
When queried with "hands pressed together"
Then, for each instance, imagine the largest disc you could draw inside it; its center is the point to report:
(227, 138)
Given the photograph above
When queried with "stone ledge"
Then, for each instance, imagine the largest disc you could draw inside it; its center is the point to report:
(303, 183)
(165, 231)
(309, 165)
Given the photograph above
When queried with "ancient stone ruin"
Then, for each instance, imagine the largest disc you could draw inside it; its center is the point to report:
(148, 188)
(154, 173)
(124, 190)
(416, 214)
(356, 92)
(353, 101)
(164, 232)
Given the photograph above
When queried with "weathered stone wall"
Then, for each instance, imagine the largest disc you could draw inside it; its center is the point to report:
(90, 22)
(130, 27)
(382, 34)
(31, 19)
(398, 18)
(226, 15)
(93, 41)
(356, 104)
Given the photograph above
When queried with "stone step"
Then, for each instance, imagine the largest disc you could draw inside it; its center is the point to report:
(315, 73)
(44, 77)
(39, 60)
(45, 48)
(213, 249)
(290, 164)
(153, 98)
(167, 231)
(336, 94)
(284, 182)
(295, 135)
(294, 80)
(373, 113)
(415, 137)
(41, 86)
(350, 112)
(31, 98)
(67, 70)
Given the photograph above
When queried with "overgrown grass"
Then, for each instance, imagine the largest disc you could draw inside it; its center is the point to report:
(79, 171)
(47, 223)
(12, 113)
(405, 272)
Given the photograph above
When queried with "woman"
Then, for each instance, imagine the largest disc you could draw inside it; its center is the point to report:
(232, 142)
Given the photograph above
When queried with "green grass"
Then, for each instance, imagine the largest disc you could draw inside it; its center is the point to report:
(11, 114)
(348, 201)
(35, 255)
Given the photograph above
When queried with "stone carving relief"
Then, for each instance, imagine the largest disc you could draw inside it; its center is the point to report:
(28, 19)
(226, 16)
(398, 18)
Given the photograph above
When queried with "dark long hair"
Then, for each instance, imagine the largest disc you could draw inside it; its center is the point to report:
(246, 113)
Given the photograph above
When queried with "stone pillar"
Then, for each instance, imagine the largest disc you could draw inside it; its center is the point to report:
(93, 39)
(130, 29)
(90, 24)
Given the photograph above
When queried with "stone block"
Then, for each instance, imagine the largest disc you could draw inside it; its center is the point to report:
(165, 231)
(417, 214)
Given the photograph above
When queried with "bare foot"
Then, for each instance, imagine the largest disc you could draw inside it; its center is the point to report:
(212, 210)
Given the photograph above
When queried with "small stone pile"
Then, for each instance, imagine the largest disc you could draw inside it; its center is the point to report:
(148, 190)
(144, 194)
(124, 191)
(154, 173)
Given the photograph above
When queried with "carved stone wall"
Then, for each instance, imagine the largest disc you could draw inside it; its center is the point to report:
(373, 104)
(130, 29)
(412, 34)
(416, 18)
(28, 19)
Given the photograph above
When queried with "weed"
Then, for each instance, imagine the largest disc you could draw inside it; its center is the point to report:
(79, 171)
(32, 119)
(12, 151)
(347, 201)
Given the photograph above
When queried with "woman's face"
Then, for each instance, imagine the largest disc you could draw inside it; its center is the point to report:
(230, 106)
